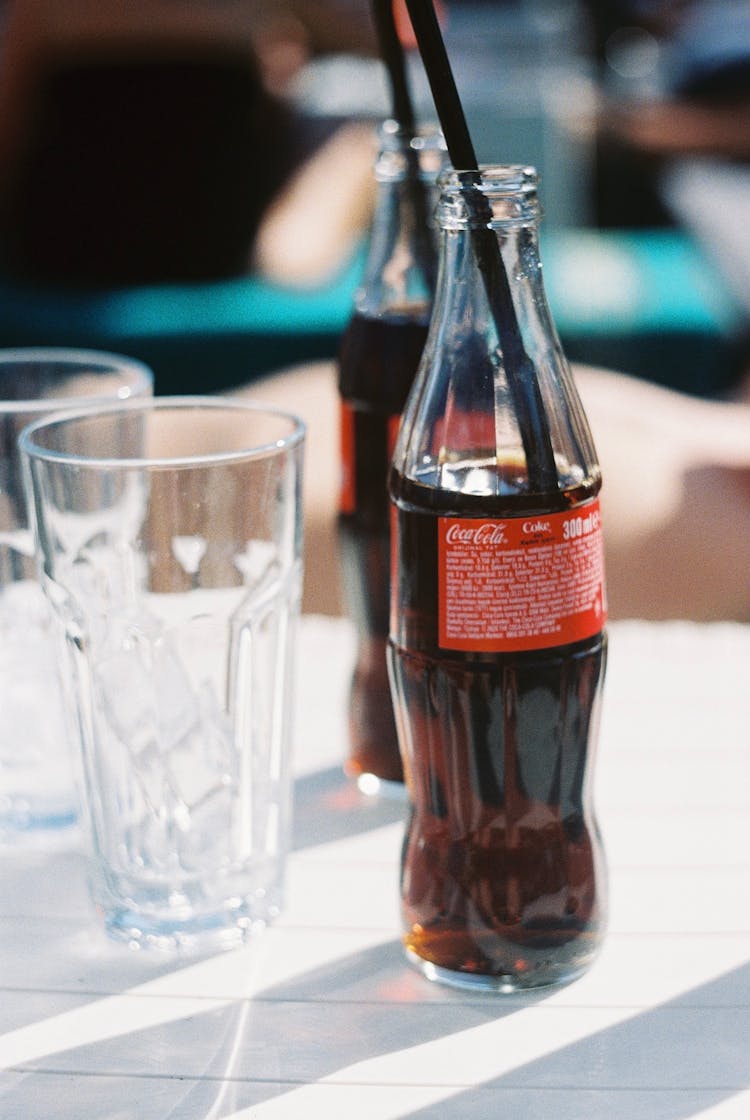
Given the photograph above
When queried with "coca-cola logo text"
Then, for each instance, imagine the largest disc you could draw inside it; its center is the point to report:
(485, 533)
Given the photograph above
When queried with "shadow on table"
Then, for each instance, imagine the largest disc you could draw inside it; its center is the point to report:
(328, 806)
(657, 1063)
(663, 1058)
(281, 1039)
(37, 883)
(246, 1051)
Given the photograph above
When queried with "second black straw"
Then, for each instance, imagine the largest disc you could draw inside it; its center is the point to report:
(519, 369)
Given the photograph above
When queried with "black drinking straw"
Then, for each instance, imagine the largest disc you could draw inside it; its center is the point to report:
(395, 63)
(392, 54)
(519, 369)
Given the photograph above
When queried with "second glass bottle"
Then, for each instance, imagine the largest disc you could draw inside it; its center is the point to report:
(378, 360)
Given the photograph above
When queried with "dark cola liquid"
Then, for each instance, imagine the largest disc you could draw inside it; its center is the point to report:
(378, 360)
(502, 870)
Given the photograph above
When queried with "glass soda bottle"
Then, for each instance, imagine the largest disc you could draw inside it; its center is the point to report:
(497, 645)
(378, 359)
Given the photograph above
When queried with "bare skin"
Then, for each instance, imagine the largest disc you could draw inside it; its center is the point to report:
(675, 500)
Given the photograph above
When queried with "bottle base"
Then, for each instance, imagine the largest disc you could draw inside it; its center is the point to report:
(502, 984)
(372, 786)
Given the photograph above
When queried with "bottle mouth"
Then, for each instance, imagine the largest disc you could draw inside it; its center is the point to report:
(492, 196)
(398, 148)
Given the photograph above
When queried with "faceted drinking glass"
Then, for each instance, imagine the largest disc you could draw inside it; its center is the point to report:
(37, 797)
(171, 543)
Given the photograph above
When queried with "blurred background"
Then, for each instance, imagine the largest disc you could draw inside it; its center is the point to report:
(191, 182)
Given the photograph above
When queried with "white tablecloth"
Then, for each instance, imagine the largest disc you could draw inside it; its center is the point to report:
(321, 1017)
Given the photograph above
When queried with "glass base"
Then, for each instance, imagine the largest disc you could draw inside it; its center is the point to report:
(223, 930)
(507, 984)
(21, 823)
(188, 917)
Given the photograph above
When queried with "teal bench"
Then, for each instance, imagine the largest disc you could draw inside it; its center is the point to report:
(648, 303)
(196, 337)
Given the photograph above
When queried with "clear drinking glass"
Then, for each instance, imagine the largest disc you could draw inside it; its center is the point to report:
(170, 535)
(37, 795)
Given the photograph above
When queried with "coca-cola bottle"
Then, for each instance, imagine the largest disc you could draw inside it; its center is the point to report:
(378, 359)
(497, 644)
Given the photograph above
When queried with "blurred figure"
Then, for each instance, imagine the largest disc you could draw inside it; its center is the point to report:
(146, 143)
(704, 107)
(675, 75)
(677, 547)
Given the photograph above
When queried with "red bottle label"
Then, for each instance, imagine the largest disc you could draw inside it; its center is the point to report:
(348, 490)
(348, 461)
(520, 582)
(394, 423)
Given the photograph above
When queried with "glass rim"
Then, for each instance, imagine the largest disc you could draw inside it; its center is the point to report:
(513, 178)
(184, 403)
(493, 196)
(110, 362)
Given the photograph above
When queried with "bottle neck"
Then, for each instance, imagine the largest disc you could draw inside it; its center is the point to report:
(489, 223)
(401, 267)
(462, 291)
(395, 280)
(494, 394)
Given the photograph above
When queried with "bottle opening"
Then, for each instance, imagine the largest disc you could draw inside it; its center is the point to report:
(503, 195)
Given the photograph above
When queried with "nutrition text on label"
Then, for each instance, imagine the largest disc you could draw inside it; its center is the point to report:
(520, 583)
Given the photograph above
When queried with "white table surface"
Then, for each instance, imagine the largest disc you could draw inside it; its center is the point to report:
(321, 1017)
